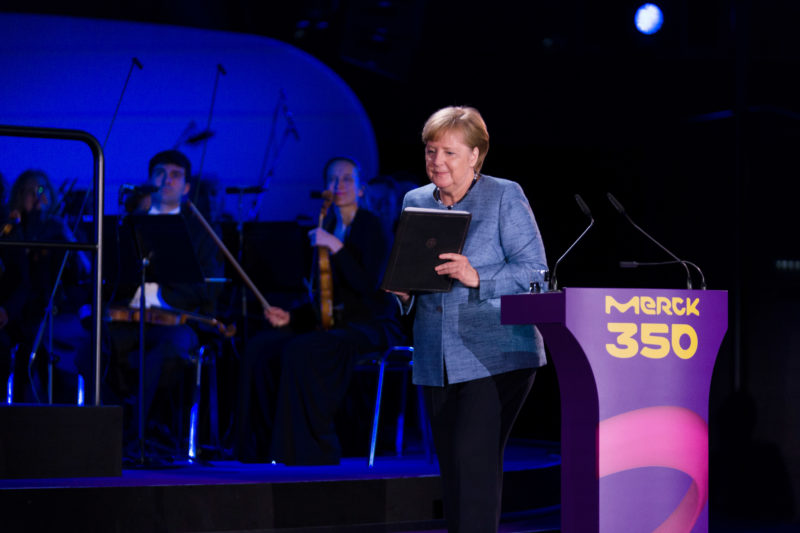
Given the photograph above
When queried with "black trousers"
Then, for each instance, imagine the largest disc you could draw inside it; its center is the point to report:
(290, 389)
(471, 423)
(167, 351)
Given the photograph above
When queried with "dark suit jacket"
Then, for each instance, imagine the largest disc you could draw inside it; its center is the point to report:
(357, 273)
(191, 297)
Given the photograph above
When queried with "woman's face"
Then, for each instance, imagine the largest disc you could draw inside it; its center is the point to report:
(343, 183)
(450, 163)
(35, 196)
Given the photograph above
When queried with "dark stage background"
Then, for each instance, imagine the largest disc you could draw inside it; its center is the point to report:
(692, 129)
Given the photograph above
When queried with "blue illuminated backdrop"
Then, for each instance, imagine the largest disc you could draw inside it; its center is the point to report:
(69, 73)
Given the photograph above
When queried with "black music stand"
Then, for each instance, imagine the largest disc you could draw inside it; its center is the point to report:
(165, 255)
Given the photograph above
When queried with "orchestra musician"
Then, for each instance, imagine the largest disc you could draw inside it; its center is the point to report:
(294, 375)
(168, 346)
(28, 278)
(5, 340)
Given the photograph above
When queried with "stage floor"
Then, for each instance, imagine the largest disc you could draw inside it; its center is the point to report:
(397, 494)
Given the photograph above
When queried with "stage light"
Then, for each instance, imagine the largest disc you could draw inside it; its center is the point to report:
(648, 19)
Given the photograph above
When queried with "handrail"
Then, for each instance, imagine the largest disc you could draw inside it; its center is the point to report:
(50, 244)
(97, 245)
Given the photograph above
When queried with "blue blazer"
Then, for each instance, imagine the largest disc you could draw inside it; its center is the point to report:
(459, 332)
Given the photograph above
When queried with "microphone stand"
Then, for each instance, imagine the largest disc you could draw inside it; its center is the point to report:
(185, 135)
(49, 309)
(621, 210)
(289, 128)
(46, 320)
(268, 149)
(270, 156)
(241, 191)
(220, 70)
(257, 205)
(142, 303)
(585, 209)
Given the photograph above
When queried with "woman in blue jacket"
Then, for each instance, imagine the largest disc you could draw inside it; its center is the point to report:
(476, 372)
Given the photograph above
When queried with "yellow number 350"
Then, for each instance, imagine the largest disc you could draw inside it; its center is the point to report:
(655, 340)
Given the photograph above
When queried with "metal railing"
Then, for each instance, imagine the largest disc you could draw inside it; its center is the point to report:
(97, 237)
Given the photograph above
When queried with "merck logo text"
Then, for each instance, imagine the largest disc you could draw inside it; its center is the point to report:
(660, 305)
(653, 340)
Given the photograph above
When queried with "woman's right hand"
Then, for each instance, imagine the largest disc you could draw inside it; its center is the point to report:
(277, 317)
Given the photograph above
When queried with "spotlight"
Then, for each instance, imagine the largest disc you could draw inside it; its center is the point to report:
(648, 19)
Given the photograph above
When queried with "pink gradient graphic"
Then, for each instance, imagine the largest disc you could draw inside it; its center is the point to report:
(663, 436)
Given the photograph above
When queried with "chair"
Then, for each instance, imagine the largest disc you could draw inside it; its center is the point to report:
(10, 381)
(206, 357)
(397, 358)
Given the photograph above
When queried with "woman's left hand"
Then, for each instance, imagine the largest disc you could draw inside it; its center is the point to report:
(320, 237)
(458, 267)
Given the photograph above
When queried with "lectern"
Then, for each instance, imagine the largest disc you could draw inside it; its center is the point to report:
(634, 369)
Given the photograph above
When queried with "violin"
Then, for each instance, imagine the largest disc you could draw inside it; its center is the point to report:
(325, 273)
(168, 317)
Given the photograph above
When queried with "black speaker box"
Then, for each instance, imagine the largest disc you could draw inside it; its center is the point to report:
(55, 441)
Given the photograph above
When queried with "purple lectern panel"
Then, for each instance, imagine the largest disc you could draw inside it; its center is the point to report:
(634, 367)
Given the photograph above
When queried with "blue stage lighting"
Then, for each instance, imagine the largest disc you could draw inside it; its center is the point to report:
(649, 19)
(81, 390)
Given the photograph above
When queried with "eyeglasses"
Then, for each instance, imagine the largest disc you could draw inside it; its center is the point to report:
(34, 190)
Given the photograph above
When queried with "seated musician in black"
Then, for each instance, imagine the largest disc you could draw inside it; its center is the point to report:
(26, 284)
(294, 375)
(167, 347)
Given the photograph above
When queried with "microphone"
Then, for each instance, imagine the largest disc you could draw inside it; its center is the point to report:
(131, 196)
(585, 209)
(637, 264)
(618, 207)
(137, 63)
(199, 137)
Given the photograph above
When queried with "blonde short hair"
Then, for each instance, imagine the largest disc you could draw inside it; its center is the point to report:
(465, 119)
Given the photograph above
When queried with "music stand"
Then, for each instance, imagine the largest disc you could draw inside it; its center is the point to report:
(165, 255)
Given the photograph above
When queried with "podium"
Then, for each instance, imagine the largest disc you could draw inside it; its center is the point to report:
(634, 369)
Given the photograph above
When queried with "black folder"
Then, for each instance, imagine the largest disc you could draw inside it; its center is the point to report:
(422, 234)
